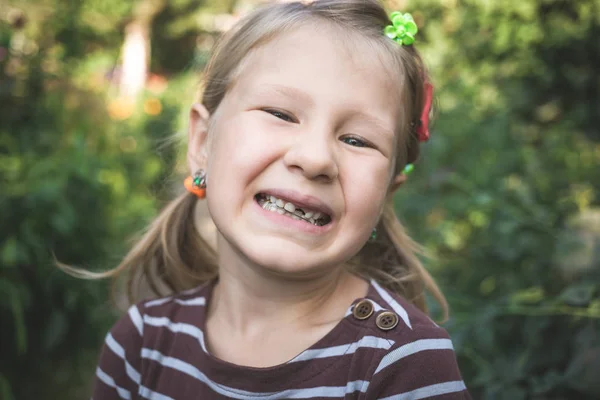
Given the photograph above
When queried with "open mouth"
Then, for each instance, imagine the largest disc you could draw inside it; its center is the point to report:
(284, 207)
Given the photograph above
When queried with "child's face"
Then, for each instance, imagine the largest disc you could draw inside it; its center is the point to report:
(310, 120)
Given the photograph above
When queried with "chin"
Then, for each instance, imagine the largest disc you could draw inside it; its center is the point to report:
(287, 259)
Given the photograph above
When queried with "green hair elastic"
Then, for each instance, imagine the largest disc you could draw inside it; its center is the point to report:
(408, 169)
(403, 28)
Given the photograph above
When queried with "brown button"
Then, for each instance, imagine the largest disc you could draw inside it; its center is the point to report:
(386, 320)
(363, 309)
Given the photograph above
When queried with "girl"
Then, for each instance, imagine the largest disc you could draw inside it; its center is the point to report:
(310, 114)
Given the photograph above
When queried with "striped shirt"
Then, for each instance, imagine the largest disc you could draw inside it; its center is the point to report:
(158, 351)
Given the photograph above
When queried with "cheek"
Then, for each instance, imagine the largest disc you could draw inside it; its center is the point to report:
(240, 150)
(366, 187)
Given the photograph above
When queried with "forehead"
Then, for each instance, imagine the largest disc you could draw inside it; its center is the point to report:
(327, 63)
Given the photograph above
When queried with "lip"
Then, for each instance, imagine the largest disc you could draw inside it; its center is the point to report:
(290, 223)
(301, 200)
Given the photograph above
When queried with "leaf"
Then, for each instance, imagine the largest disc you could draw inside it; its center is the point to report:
(578, 295)
(9, 254)
(55, 330)
(531, 295)
(16, 307)
(5, 390)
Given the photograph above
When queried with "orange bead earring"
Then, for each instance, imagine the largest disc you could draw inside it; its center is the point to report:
(196, 184)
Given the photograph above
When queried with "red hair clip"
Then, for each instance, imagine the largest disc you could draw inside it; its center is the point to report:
(423, 125)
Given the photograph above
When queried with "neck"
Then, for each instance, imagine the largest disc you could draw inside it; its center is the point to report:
(250, 299)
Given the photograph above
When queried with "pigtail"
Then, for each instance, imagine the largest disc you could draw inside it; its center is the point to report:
(407, 250)
(392, 259)
(170, 255)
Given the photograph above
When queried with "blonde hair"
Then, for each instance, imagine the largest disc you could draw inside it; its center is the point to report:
(171, 252)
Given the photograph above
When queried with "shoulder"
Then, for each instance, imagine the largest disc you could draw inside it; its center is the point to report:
(117, 372)
(409, 316)
(164, 312)
(183, 312)
(420, 362)
(169, 305)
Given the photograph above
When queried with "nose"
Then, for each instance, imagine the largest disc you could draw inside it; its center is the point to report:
(312, 155)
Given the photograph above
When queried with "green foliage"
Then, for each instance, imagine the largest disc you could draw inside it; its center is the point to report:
(506, 197)
(76, 183)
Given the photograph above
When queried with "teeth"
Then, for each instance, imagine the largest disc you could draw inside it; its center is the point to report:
(273, 204)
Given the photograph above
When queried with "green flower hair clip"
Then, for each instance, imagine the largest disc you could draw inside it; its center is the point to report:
(403, 28)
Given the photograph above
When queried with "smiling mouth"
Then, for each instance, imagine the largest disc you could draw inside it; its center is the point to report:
(283, 207)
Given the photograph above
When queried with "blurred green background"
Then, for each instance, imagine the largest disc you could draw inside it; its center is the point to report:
(506, 196)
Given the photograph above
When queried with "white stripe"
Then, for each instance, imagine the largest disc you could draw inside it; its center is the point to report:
(194, 372)
(136, 318)
(118, 350)
(193, 290)
(108, 380)
(367, 341)
(177, 327)
(430, 391)
(152, 395)
(398, 309)
(197, 301)
(357, 386)
(376, 308)
(157, 302)
(433, 322)
(412, 348)
(322, 391)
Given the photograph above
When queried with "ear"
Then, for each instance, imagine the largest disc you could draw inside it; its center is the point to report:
(197, 137)
(397, 182)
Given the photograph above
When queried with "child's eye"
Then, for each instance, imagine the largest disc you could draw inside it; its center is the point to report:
(281, 115)
(354, 141)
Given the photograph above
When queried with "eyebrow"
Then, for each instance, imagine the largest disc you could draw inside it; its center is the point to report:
(288, 91)
(375, 121)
